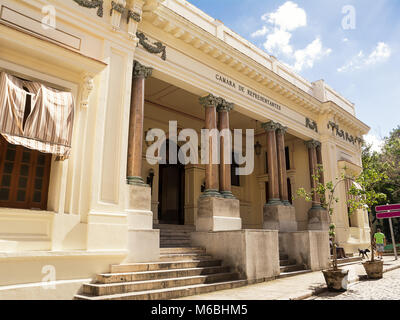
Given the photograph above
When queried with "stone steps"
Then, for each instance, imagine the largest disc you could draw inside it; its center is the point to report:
(291, 268)
(158, 274)
(349, 260)
(168, 293)
(182, 250)
(292, 274)
(179, 273)
(175, 235)
(154, 266)
(284, 262)
(184, 256)
(95, 289)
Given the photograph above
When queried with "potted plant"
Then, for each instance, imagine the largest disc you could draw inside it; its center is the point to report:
(336, 279)
(365, 197)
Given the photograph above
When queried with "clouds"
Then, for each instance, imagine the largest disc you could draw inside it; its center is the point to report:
(314, 51)
(286, 19)
(376, 144)
(379, 54)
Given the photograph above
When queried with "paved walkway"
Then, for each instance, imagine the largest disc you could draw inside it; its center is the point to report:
(387, 288)
(295, 288)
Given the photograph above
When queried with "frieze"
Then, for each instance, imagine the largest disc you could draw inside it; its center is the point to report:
(343, 134)
(311, 125)
(91, 4)
(155, 48)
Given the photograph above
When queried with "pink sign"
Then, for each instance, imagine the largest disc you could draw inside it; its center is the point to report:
(391, 214)
(388, 207)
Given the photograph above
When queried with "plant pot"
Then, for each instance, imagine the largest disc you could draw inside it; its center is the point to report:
(336, 280)
(374, 269)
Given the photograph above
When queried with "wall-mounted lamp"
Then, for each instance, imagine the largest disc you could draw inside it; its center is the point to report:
(257, 148)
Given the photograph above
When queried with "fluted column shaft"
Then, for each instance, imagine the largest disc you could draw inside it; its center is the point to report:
(313, 165)
(210, 104)
(319, 162)
(273, 180)
(225, 187)
(135, 142)
(282, 174)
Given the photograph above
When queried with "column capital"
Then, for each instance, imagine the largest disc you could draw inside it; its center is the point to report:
(282, 128)
(225, 106)
(141, 71)
(270, 126)
(209, 101)
(312, 144)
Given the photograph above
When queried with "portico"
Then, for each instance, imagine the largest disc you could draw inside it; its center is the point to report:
(164, 62)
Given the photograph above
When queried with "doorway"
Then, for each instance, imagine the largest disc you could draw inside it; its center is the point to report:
(171, 209)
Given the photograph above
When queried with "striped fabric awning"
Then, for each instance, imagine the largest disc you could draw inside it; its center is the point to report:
(48, 126)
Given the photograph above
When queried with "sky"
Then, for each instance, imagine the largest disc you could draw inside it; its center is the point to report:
(353, 45)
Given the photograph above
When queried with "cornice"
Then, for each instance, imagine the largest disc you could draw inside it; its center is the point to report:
(189, 33)
(347, 119)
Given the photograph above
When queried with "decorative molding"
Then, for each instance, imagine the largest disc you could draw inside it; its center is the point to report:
(343, 134)
(117, 9)
(117, 6)
(141, 71)
(134, 16)
(209, 101)
(311, 125)
(224, 105)
(312, 144)
(87, 88)
(92, 4)
(270, 126)
(282, 128)
(156, 47)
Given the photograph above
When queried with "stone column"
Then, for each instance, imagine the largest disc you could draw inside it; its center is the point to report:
(215, 212)
(143, 240)
(135, 142)
(282, 174)
(319, 163)
(277, 214)
(312, 161)
(318, 217)
(273, 181)
(226, 145)
(210, 103)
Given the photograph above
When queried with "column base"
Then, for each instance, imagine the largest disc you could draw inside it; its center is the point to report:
(280, 217)
(318, 219)
(254, 254)
(286, 203)
(227, 195)
(143, 241)
(218, 214)
(211, 193)
(274, 202)
(136, 181)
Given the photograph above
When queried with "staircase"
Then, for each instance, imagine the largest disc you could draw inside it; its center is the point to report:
(175, 236)
(180, 272)
(290, 270)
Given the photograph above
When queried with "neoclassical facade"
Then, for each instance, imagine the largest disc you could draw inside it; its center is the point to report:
(136, 65)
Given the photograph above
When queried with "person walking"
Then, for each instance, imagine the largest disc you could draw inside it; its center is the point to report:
(380, 241)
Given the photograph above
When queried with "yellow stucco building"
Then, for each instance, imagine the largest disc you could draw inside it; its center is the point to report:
(135, 65)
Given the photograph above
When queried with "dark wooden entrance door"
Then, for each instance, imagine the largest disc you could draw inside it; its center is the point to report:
(171, 209)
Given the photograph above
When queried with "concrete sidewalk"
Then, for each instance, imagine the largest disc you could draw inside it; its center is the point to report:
(295, 288)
